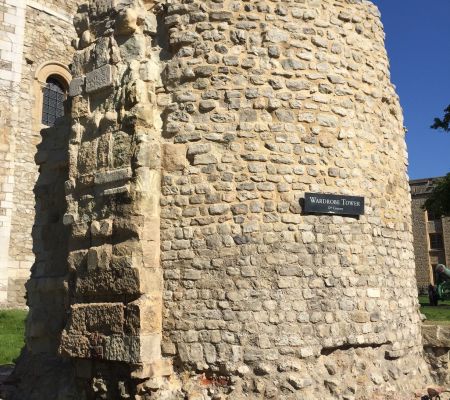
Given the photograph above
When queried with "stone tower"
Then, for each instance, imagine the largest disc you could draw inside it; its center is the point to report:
(174, 256)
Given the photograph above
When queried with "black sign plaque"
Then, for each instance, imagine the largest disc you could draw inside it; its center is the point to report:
(320, 203)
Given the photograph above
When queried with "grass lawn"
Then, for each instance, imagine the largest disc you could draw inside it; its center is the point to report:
(12, 329)
(439, 313)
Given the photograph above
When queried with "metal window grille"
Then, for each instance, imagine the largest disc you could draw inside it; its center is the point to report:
(53, 104)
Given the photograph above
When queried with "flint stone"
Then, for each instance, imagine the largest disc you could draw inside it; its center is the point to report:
(220, 16)
(373, 292)
(198, 148)
(117, 190)
(276, 36)
(204, 159)
(299, 382)
(99, 79)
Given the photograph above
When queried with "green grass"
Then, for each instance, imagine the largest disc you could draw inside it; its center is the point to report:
(12, 330)
(440, 313)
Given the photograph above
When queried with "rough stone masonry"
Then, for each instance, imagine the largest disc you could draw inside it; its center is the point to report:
(173, 257)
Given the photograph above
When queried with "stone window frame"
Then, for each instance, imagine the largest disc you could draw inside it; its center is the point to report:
(436, 240)
(43, 72)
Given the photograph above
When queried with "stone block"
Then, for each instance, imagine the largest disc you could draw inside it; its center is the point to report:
(150, 348)
(174, 157)
(373, 292)
(159, 368)
(119, 281)
(76, 346)
(98, 258)
(126, 22)
(147, 313)
(102, 228)
(122, 348)
(276, 36)
(106, 319)
(100, 7)
(99, 79)
(220, 16)
(150, 71)
(76, 86)
(114, 175)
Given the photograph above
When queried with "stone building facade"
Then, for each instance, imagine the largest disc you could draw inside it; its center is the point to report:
(35, 45)
(174, 257)
(431, 234)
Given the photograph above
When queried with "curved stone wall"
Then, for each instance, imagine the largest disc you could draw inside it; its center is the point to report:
(193, 270)
(270, 100)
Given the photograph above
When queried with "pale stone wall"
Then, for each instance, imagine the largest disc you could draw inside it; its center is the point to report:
(269, 101)
(446, 237)
(192, 270)
(421, 246)
(43, 33)
(12, 23)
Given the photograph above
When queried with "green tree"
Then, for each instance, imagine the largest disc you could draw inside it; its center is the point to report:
(443, 123)
(439, 200)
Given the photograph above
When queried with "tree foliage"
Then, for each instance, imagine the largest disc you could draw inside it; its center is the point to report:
(439, 200)
(444, 123)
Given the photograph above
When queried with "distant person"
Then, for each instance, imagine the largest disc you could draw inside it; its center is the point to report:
(432, 295)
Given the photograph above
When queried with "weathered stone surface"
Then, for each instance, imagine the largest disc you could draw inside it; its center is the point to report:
(112, 176)
(174, 157)
(99, 7)
(35, 45)
(188, 238)
(436, 343)
(99, 79)
(126, 22)
(436, 336)
(76, 86)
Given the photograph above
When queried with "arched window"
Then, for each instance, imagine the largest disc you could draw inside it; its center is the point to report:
(50, 88)
(54, 95)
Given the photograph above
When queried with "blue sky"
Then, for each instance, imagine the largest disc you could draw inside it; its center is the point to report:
(418, 43)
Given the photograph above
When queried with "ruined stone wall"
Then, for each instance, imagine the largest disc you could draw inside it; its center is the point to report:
(110, 293)
(192, 269)
(45, 32)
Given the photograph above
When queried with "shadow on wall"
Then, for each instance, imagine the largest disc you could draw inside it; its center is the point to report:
(47, 288)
